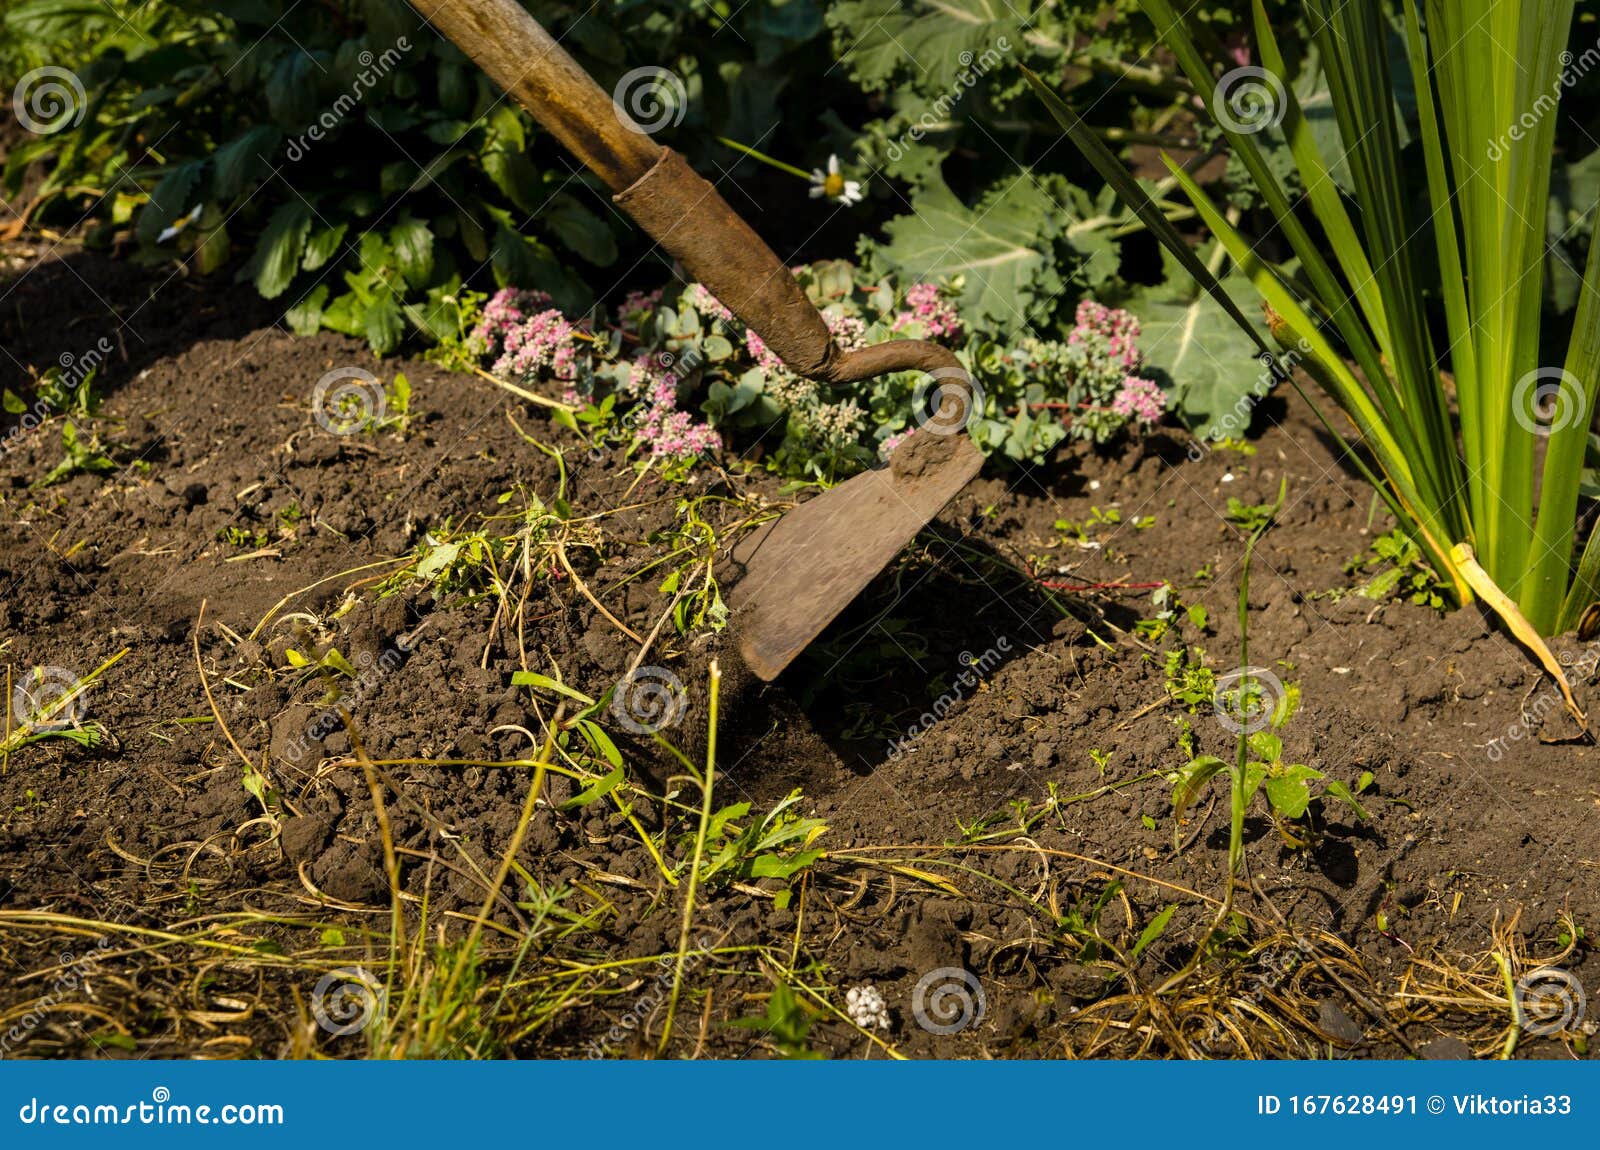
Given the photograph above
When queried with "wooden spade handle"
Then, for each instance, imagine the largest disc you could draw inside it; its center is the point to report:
(520, 56)
(654, 185)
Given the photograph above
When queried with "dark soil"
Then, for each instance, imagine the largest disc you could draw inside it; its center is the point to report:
(230, 498)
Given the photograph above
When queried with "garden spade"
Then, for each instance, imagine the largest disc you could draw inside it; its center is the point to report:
(798, 573)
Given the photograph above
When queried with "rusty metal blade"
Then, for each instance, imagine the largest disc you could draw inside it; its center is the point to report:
(794, 577)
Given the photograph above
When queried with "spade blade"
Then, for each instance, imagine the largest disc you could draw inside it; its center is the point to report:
(796, 575)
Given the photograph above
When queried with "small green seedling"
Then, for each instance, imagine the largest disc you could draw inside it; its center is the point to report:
(397, 413)
(786, 1024)
(1249, 517)
(1289, 787)
(59, 394)
(1168, 609)
(240, 537)
(778, 846)
(83, 456)
(1079, 532)
(451, 316)
(332, 666)
(55, 718)
(1398, 567)
(1189, 680)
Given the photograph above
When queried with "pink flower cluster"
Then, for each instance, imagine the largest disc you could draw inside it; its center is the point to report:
(1140, 399)
(638, 306)
(765, 359)
(669, 432)
(929, 309)
(1119, 329)
(708, 305)
(886, 448)
(848, 331)
(528, 336)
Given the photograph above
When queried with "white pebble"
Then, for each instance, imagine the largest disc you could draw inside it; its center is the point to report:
(866, 1007)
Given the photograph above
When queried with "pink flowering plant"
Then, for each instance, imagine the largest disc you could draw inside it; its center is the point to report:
(528, 341)
(674, 375)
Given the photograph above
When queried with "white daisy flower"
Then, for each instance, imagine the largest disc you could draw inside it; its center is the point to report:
(833, 184)
(168, 233)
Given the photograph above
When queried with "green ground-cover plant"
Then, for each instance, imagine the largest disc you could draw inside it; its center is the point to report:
(1448, 421)
(670, 355)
